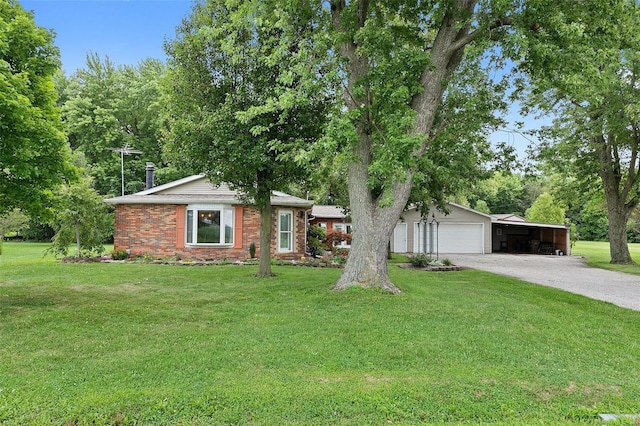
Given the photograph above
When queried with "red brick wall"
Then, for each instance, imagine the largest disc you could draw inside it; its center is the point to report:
(158, 231)
(329, 222)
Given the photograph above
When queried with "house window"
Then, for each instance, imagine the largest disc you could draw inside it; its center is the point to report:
(285, 231)
(345, 228)
(209, 225)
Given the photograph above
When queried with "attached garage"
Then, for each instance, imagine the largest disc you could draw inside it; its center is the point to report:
(460, 238)
(461, 230)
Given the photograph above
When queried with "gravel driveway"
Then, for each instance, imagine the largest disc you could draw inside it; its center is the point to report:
(568, 273)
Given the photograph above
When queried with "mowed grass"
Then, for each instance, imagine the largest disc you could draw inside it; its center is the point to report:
(146, 344)
(598, 255)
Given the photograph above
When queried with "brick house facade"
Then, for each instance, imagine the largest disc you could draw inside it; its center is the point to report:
(331, 219)
(168, 221)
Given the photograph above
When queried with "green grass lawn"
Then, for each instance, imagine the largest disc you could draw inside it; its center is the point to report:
(597, 254)
(174, 345)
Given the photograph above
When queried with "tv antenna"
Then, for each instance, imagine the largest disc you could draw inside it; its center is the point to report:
(124, 150)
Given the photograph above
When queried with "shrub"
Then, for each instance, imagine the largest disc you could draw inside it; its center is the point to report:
(420, 260)
(340, 251)
(119, 254)
(315, 237)
(252, 250)
(336, 237)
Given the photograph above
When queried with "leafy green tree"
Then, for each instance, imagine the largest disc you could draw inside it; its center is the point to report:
(503, 193)
(33, 148)
(633, 227)
(584, 66)
(403, 117)
(245, 100)
(14, 221)
(315, 240)
(482, 206)
(106, 108)
(81, 218)
(545, 210)
(592, 223)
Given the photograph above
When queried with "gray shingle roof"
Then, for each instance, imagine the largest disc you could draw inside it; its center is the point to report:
(328, 212)
(197, 189)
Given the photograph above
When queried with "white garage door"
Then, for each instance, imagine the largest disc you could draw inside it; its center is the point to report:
(460, 238)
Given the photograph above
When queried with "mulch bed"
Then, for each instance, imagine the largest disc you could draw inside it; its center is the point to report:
(432, 268)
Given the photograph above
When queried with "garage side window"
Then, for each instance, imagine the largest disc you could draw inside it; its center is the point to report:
(209, 225)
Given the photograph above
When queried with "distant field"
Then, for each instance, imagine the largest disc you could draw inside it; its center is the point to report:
(141, 344)
(597, 254)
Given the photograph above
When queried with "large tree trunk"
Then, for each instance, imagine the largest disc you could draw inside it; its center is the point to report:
(618, 247)
(372, 229)
(78, 245)
(618, 208)
(264, 202)
(618, 215)
(374, 220)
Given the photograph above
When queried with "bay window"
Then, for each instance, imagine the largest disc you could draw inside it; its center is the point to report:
(209, 225)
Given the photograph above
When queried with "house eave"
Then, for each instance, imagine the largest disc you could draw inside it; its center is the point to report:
(530, 224)
(200, 199)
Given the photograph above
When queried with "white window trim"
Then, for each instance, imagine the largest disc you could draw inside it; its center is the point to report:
(342, 227)
(223, 209)
(291, 233)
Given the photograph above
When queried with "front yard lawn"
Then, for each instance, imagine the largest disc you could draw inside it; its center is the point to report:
(598, 256)
(122, 344)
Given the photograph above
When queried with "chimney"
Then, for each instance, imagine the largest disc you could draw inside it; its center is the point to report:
(150, 167)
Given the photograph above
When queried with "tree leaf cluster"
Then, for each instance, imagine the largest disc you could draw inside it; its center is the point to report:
(34, 156)
(246, 96)
(583, 64)
(81, 219)
(106, 108)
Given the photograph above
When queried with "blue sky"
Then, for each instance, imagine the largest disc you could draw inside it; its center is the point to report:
(127, 31)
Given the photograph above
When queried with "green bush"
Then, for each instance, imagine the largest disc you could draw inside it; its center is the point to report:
(119, 254)
(315, 237)
(420, 260)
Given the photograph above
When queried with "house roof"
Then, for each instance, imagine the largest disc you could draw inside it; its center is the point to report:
(509, 217)
(328, 212)
(515, 220)
(530, 224)
(459, 206)
(469, 209)
(198, 189)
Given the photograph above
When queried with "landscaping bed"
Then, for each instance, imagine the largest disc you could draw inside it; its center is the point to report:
(432, 268)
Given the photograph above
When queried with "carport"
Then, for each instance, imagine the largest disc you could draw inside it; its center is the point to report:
(511, 234)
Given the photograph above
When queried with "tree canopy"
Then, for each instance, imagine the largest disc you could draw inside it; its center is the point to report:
(81, 218)
(245, 100)
(584, 66)
(415, 110)
(545, 210)
(34, 156)
(106, 108)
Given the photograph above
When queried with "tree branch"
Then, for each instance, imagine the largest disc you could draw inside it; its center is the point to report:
(468, 38)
